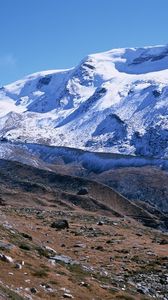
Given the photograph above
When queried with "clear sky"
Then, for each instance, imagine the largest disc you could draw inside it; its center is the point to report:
(38, 35)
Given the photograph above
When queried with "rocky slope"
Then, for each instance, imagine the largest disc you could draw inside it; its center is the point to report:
(116, 101)
(90, 258)
(24, 185)
(137, 178)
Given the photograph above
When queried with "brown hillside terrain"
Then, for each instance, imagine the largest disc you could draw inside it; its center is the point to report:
(104, 254)
(57, 190)
(92, 261)
(145, 183)
(137, 178)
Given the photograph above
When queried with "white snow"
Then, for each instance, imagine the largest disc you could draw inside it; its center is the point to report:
(121, 92)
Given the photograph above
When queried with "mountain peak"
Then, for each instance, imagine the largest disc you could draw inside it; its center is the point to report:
(114, 101)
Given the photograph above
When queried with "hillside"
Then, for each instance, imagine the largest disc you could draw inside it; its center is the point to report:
(25, 185)
(104, 251)
(137, 178)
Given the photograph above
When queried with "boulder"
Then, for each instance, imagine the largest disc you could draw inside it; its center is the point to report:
(6, 258)
(33, 290)
(68, 296)
(6, 246)
(100, 223)
(82, 191)
(65, 259)
(18, 266)
(60, 224)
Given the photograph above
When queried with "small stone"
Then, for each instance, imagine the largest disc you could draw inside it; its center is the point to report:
(100, 223)
(150, 253)
(50, 250)
(80, 245)
(18, 266)
(100, 248)
(68, 296)
(115, 223)
(27, 236)
(142, 290)
(33, 290)
(52, 262)
(139, 234)
(85, 284)
(47, 287)
(65, 290)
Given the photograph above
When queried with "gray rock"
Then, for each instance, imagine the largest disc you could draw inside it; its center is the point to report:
(142, 290)
(18, 266)
(82, 191)
(60, 224)
(85, 284)
(68, 296)
(47, 287)
(6, 258)
(65, 259)
(100, 223)
(6, 246)
(80, 245)
(50, 250)
(33, 290)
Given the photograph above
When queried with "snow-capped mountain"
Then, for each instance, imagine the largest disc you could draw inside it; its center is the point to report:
(116, 101)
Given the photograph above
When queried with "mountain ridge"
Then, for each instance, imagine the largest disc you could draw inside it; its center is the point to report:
(137, 178)
(115, 101)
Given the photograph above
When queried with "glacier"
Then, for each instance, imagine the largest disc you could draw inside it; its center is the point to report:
(113, 102)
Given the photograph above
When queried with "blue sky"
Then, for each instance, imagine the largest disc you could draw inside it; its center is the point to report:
(52, 34)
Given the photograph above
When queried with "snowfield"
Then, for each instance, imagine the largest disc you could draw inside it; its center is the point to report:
(116, 102)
